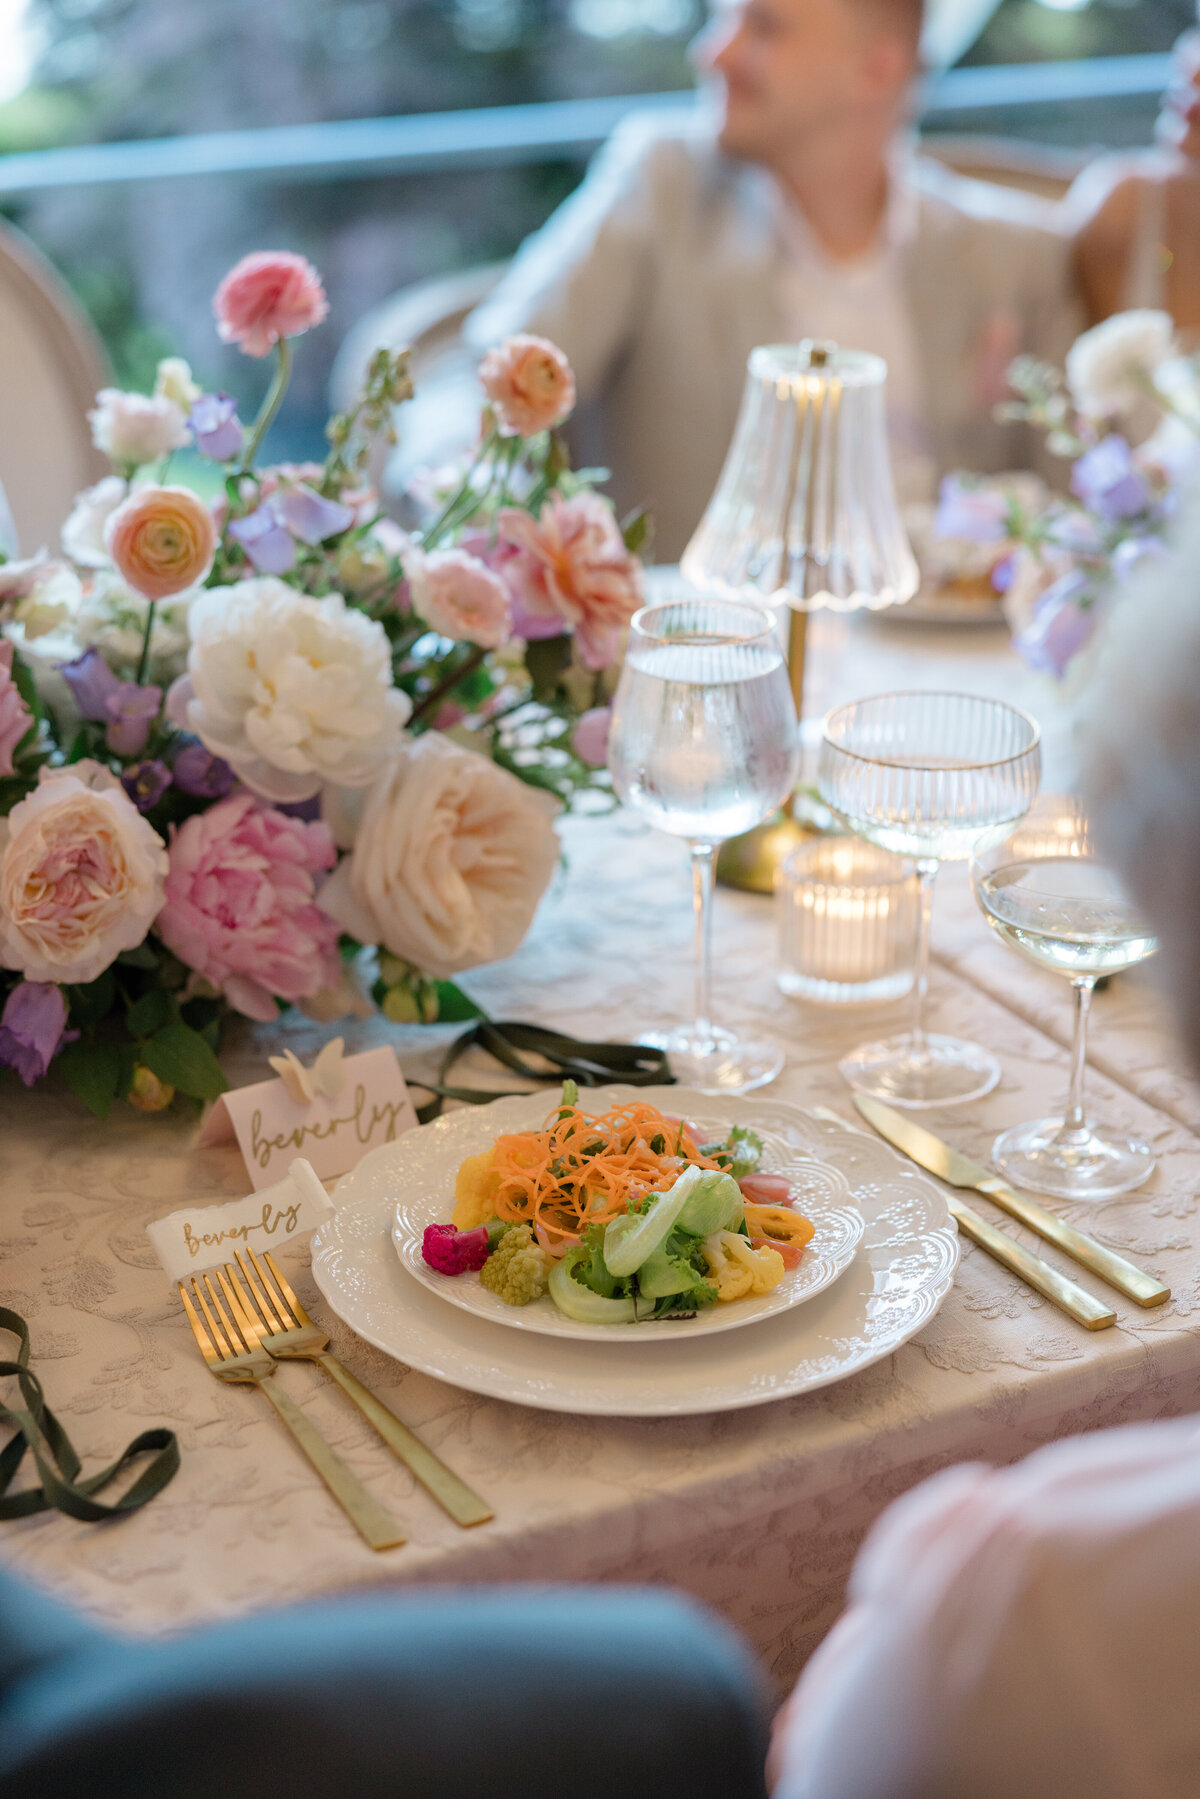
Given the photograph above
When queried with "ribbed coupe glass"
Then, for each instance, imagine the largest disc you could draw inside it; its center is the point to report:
(705, 744)
(932, 776)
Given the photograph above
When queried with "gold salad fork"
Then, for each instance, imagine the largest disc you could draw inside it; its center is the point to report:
(230, 1342)
(287, 1331)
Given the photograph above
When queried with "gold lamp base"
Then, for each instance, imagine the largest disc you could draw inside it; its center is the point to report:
(750, 861)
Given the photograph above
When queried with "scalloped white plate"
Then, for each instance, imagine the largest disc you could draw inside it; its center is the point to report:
(896, 1281)
(424, 1166)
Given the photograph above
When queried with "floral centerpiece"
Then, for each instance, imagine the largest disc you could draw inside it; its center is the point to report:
(244, 737)
(1126, 413)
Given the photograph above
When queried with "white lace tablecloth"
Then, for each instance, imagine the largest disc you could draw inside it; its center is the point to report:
(758, 1512)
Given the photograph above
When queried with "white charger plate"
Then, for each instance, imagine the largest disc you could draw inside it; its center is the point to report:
(423, 1165)
(898, 1278)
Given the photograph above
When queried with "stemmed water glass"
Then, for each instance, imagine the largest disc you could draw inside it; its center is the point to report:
(930, 776)
(1045, 893)
(705, 743)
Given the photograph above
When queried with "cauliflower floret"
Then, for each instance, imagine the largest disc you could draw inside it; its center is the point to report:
(737, 1269)
(518, 1270)
(475, 1188)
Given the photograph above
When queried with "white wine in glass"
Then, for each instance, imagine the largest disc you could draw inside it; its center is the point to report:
(704, 743)
(1046, 894)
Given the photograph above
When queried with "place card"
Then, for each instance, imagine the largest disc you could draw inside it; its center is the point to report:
(332, 1113)
(200, 1237)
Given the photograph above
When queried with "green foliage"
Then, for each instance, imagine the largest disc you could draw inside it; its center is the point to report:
(183, 1058)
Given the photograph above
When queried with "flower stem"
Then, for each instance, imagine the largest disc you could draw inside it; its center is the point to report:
(446, 684)
(430, 537)
(144, 658)
(270, 405)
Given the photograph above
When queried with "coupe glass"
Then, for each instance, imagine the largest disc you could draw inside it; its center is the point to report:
(1045, 893)
(930, 776)
(704, 742)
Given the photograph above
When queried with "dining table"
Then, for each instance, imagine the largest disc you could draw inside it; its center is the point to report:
(757, 1512)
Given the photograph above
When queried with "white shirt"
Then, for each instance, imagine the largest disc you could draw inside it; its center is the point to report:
(861, 305)
(1019, 1633)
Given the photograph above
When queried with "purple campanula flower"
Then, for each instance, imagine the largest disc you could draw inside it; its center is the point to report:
(33, 1028)
(589, 739)
(216, 427)
(1060, 628)
(265, 541)
(1073, 530)
(200, 774)
(1135, 550)
(1108, 483)
(980, 514)
(145, 783)
(92, 682)
(308, 515)
(1003, 573)
(130, 712)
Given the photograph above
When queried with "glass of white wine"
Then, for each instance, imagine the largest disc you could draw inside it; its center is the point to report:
(705, 744)
(1045, 893)
(930, 776)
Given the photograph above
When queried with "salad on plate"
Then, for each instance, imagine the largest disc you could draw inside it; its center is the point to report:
(621, 1217)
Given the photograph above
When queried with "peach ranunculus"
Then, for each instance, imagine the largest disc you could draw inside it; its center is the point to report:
(529, 383)
(458, 596)
(266, 296)
(162, 540)
(450, 859)
(81, 877)
(573, 564)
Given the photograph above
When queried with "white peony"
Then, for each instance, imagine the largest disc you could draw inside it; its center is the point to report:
(83, 533)
(135, 428)
(450, 859)
(291, 691)
(1111, 367)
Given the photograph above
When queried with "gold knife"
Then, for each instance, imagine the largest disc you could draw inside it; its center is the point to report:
(958, 1170)
(1074, 1300)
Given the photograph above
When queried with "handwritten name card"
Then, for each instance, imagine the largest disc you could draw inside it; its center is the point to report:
(274, 1121)
(200, 1237)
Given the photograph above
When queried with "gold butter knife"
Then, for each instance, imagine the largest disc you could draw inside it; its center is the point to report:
(1064, 1293)
(958, 1170)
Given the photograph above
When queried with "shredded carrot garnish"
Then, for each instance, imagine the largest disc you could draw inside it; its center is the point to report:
(582, 1168)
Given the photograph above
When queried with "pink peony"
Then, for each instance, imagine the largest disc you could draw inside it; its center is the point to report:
(266, 296)
(240, 904)
(529, 383)
(162, 540)
(460, 597)
(15, 716)
(574, 565)
(81, 876)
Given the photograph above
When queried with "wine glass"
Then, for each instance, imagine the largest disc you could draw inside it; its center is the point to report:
(705, 743)
(930, 776)
(1045, 892)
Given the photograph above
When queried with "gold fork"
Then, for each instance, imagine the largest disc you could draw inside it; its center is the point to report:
(287, 1331)
(230, 1342)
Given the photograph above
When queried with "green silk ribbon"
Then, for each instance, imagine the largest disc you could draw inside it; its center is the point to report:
(587, 1064)
(39, 1432)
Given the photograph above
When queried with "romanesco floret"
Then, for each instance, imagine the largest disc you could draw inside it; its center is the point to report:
(518, 1270)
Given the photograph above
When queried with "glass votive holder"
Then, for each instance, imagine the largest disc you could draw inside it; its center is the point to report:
(847, 917)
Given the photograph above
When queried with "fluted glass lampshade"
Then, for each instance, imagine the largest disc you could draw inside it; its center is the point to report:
(805, 512)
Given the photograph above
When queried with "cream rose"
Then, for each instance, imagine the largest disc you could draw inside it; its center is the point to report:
(291, 691)
(81, 877)
(450, 859)
(136, 428)
(83, 533)
(1111, 368)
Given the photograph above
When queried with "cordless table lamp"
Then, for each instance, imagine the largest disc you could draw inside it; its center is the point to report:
(804, 515)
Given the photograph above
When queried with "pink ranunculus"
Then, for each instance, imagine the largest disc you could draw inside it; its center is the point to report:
(573, 565)
(81, 876)
(266, 296)
(459, 596)
(240, 904)
(162, 540)
(15, 716)
(529, 383)
(589, 739)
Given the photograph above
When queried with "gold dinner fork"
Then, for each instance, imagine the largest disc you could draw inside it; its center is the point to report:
(287, 1331)
(230, 1342)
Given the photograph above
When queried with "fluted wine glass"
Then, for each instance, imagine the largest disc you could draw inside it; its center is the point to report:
(1046, 893)
(705, 744)
(931, 776)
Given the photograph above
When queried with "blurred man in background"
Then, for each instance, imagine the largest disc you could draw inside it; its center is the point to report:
(792, 208)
